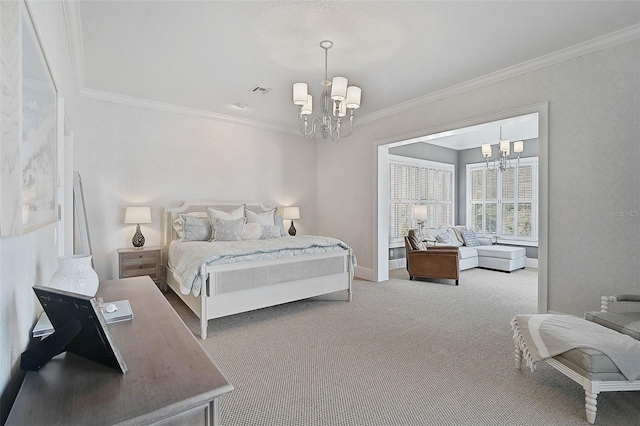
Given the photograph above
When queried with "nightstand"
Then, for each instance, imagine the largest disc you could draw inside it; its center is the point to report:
(135, 263)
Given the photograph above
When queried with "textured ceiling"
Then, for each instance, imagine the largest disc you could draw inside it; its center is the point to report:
(207, 55)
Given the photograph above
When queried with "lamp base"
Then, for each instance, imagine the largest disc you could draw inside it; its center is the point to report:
(292, 230)
(138, 238)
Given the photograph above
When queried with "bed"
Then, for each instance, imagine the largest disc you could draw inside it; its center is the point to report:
(221, 278)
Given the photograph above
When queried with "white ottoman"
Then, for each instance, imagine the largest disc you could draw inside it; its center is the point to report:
(502, 258)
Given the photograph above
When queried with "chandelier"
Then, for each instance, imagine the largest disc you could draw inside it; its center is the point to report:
(336, 98)
(503, 159)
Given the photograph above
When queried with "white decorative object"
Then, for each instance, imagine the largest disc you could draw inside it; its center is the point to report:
(336, 97)
(76, 275)
(505, 150)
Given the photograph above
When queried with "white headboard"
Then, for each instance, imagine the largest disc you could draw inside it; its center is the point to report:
(172, 213)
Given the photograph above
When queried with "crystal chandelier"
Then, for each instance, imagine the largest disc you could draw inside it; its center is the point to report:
(505, 148)
(336, 98)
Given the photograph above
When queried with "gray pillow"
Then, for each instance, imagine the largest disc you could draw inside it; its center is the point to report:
(229, 230)
(446, 238)
(196, 228)
(280, 224)
(269, 231)
(470, 238)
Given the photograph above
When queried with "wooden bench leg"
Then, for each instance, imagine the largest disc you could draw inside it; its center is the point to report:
(591, 402)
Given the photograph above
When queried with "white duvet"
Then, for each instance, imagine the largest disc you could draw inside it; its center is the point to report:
(186, 257)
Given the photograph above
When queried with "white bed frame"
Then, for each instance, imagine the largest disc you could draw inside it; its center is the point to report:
(211, 304)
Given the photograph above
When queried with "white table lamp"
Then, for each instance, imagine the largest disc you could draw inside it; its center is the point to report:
(138, 215)
(291, 213)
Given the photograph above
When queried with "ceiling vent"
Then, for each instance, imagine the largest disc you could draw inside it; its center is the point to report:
(260, 90)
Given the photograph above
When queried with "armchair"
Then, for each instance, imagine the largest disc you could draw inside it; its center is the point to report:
(431, 262)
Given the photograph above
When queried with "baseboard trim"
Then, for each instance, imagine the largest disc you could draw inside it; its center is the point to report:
(531, 263)
(397, 263)
(364, 273)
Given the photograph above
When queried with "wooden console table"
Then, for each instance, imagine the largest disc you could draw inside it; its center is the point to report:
(171, 379)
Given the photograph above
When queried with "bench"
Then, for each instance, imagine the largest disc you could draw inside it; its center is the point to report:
(592, 369)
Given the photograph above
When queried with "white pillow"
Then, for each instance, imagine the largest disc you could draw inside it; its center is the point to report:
(219, 214)
(251, 231)
(267, 218)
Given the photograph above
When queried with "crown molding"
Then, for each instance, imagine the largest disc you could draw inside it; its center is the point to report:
(581, 49)
(176, 109)
(71, 10)
(74, 33)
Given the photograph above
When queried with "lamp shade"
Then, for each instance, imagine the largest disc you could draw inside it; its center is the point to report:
(307, 108)
(339, 88)
(138, 215)
(505, 146)
(354, 93)
(342, 109)
(420, 212)
(486, 150)
(518, 146)
(299, 93)
(291, 213)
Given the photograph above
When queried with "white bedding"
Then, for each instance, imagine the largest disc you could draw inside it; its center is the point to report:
(186, 257)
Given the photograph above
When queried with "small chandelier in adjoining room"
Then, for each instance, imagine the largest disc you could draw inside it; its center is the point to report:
(505, 149)
(335, 100)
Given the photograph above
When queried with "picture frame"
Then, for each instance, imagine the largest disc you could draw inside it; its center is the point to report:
(29, 152)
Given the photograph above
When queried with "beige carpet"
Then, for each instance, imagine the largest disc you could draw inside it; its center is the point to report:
(401, 353)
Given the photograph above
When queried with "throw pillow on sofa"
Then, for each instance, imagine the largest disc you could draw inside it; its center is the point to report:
(445, 238)
(454, 236)
(470, 238)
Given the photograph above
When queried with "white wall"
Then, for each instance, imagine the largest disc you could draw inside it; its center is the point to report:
(137, 156)
(594, 159)
(30, 259)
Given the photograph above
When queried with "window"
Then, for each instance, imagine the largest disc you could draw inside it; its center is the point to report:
(414, 181)
(503, 203)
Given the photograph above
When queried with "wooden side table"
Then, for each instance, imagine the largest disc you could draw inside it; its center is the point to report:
(171, 379)
(137, 263)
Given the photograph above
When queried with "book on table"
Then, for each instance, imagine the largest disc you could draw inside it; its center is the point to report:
(123, 312)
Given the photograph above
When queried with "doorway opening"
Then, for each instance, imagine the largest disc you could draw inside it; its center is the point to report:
(527, 123)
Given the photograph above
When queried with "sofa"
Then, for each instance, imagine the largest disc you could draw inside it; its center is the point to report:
(476, 252)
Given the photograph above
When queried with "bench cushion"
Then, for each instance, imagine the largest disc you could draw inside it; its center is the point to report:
(592, 364)
(502, 252)
(623, 322)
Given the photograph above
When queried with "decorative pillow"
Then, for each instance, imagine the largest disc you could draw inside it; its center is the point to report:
(414, 240)
(457, 232)
(229, 230)
(219, 214)
(430, 234)
(251, 231)
(454, 236)
(178, 224)
(269, 231)
(267, 218)
(470, 238)
(196, 228)
(445, 237)
(280, 224)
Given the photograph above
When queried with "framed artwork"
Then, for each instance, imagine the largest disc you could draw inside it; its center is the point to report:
(30, 187)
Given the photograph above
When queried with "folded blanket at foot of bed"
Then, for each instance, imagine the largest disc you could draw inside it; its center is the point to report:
(542, 336)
